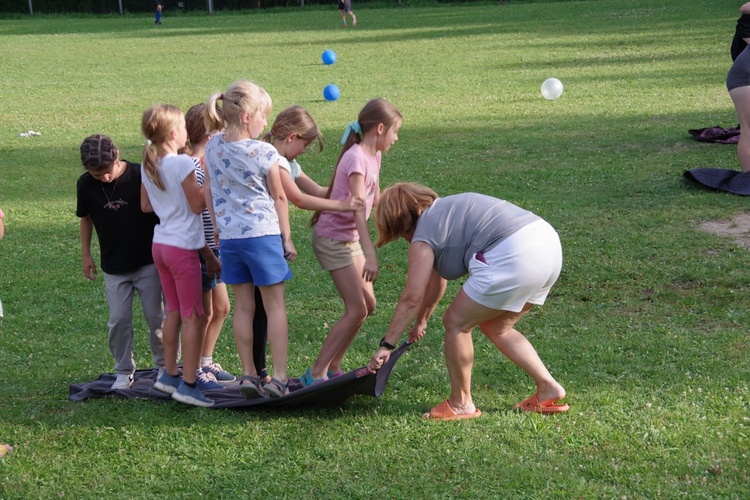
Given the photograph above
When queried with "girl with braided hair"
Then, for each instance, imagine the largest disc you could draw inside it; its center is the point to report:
(108, 195)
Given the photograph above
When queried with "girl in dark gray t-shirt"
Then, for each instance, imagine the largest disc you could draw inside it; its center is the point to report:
(512, 257)
(458, 226)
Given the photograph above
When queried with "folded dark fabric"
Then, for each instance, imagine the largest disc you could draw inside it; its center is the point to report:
(716, 134)
(333, 391)
(731, 181)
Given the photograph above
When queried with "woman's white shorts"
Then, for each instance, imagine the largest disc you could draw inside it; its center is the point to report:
(521, 269)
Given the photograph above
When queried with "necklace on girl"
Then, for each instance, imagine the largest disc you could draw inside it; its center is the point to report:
(116, 204)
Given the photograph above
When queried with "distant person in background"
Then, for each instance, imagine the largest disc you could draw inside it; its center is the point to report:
(109, 201)
(738, 85)
(157, 14)
(742, 32)
(345, 7)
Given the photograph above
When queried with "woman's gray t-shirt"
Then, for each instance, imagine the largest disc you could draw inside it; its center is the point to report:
(458, 226)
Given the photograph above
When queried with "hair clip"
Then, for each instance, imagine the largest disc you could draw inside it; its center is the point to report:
(352, 127)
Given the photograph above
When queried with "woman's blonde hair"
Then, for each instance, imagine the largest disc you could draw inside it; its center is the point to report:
(295, 120)
(242, 96)
(399, 207)
(157, 124)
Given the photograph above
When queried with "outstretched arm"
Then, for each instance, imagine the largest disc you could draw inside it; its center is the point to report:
(311, 202)
(311, 187)
(413, 299)
(433, 294)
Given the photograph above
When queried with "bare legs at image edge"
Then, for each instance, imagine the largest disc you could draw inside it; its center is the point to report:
(741, 98)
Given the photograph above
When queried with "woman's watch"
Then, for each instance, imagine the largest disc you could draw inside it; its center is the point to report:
(385, 344)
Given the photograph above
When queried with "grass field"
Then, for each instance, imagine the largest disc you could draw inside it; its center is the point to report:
(647, 327)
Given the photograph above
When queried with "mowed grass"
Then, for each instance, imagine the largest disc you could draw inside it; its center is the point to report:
(646, 327)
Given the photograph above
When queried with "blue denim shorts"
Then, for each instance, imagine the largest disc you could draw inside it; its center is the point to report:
(208, 282)
(257, 260)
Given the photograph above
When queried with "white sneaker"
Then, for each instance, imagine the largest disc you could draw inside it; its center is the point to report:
(123, 381)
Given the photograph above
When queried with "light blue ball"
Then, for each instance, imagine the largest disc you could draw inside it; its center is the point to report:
(331, 92)
(328, 57)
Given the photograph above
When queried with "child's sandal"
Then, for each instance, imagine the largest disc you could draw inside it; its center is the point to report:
(276, 388)
(250, 386)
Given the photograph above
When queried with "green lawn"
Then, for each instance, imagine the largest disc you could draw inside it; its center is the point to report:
(647, 327)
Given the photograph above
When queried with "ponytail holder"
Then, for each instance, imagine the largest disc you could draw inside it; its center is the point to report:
(352, 127)
(221, 96)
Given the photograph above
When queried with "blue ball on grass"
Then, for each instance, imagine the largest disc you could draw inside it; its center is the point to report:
(328, 57)
(331, 92)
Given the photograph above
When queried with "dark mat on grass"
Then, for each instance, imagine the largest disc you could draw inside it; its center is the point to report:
(731, 181)
(331, 392)
(716, 134)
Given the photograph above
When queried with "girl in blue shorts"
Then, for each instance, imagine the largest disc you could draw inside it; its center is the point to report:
(251, 214)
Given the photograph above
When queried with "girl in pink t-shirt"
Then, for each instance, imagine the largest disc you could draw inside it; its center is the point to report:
(342, 241)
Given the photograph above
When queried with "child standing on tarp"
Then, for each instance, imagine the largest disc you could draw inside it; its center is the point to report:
(341, 240)
(108, 202)
(169, 188)
(215, 297)
(251, 213)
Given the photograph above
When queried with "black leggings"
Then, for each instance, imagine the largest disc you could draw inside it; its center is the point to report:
(260, 335)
